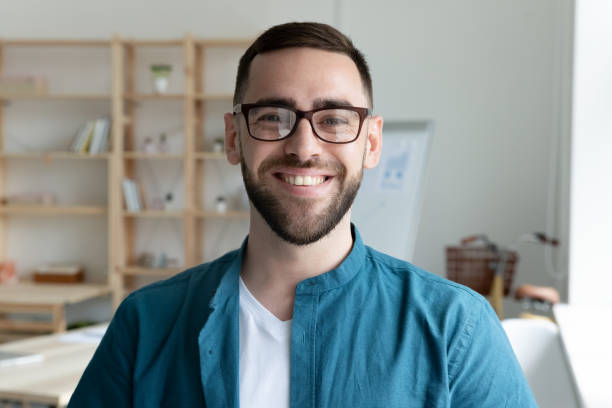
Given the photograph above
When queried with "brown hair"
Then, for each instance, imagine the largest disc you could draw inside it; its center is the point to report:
(313, 35)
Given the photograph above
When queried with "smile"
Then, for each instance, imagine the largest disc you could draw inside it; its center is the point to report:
(303, 180)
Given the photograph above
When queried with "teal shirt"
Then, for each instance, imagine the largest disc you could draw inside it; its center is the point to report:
(374, 332)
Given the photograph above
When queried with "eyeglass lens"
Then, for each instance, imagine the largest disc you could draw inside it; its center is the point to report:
(333, 125)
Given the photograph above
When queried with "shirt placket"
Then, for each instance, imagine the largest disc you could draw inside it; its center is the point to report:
(303, 341)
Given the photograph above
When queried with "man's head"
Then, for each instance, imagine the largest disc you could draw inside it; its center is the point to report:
(301, 35)
(302, 175)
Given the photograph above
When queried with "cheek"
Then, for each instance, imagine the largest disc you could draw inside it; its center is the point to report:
(254, 154)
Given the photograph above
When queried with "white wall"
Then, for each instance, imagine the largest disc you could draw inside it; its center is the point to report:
(493, 75)
(495, 78)
(591, 194)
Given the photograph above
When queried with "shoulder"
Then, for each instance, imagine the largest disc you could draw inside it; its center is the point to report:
(418, 283)
(166, 297)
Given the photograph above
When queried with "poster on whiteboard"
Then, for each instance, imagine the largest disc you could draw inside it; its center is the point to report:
(388, 206)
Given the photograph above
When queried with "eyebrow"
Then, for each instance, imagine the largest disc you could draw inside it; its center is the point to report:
(330, 103)
(317, 104)
(277, 101)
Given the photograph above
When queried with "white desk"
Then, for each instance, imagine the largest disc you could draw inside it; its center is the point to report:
(586, 333)
(53, 380)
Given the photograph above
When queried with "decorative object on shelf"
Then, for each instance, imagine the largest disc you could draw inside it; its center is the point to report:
(164, 192)
(171, 203)
(148, 146)
(157, 203)
(172, 262)
(221, 204)
(149, 260)
(145, 260)
(44, 198)
(161, 261)
(7, 272)
(218, 145)
(59, 273)
(22, 85)
(161, 74)
(163, 146)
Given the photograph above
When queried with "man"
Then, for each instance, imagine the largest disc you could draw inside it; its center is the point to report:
(303, 314)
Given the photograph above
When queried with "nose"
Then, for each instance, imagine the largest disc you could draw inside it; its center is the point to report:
(303, 144)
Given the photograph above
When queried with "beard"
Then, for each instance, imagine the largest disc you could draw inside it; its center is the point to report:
(293, 219)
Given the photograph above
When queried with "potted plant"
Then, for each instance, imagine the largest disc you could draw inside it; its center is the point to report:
(161, 74)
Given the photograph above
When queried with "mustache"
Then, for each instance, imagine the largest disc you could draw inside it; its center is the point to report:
(293, 161)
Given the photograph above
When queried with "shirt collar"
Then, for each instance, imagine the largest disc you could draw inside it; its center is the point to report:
(334, 278)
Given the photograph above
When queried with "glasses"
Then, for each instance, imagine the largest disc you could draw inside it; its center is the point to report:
(340, 124)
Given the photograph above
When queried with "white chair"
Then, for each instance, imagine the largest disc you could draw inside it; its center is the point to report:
(537, 345)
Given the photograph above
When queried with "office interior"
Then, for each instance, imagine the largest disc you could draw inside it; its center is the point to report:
(515, 97)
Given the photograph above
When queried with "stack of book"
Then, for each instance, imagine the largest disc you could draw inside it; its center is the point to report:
(92, 137)
(131, 195)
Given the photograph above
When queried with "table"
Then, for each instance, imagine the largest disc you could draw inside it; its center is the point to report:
(42, 298)
(586, 333)
(53, 380)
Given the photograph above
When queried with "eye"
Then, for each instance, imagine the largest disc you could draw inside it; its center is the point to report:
(333, 121)
(269, 118)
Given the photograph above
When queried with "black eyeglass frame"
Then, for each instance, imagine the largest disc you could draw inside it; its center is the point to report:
(244, 108)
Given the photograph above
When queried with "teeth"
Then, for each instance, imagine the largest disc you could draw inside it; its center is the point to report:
(303, 181)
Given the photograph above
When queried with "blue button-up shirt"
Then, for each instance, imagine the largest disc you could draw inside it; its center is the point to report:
(374, 332)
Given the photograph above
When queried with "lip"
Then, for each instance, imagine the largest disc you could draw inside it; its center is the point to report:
(303, 172)
(304, 191)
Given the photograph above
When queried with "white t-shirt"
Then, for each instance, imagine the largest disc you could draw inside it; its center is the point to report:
(264, 355)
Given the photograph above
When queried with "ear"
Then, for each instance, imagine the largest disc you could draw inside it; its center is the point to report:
(232, 144)
(373, 142)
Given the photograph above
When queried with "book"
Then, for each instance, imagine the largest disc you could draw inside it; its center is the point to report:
(81, 139)
(84, 147)
(131, 196)
(13, 358)
(100, 136)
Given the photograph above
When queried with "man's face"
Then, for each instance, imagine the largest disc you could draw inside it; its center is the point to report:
(303, 186)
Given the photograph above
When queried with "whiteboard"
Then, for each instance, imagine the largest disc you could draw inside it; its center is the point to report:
(388, 206)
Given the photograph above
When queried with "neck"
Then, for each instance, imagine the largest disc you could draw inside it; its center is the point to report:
(272, 267)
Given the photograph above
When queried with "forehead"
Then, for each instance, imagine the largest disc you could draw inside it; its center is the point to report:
(304, 75)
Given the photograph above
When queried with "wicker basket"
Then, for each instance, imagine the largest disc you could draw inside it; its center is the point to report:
(475, 267)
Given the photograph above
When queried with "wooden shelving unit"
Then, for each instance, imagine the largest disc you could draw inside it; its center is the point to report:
(127, 97)
(124, 98)
(29, 297)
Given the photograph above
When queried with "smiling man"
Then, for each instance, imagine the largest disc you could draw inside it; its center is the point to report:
(304, 314)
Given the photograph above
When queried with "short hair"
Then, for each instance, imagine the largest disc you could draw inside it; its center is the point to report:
(308, 35)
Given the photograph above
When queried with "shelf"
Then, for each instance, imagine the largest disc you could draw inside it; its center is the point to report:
(154, 214)
(56, 97)
(227, 214)
(153, 43)
(44, 210)
(55, 155)
(142, 271)
(224, 42)
(153, 156)
(220, 42)
(210, 156)
(153, 97)
(62, 43)
(215, 97)
(175, 97)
